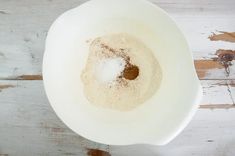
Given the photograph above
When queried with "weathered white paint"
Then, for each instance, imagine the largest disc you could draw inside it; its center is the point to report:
(219, 73)
(29, 126)
(24, 24)
(216, 92)
(232, 91)
(211, 133)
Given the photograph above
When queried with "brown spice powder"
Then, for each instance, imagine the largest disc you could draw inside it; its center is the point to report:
(130, 71)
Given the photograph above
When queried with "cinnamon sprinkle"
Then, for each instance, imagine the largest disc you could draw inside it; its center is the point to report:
(130, 72)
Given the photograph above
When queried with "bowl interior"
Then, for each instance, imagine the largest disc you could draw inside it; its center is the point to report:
(161, 117)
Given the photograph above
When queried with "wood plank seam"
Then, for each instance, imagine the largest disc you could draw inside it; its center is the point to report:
(217, 106)
(40, 77)
(230, 93)
(204, 105)
(24, 77)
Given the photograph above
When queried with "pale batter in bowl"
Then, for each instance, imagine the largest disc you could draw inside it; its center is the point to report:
(121, 73)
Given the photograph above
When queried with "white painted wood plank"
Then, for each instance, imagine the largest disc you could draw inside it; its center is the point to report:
(29, 126)
(211, 133)
(211, 70)
(200, 6)
(232, 91)
(197, 29)
(216, 92)
(23, 27)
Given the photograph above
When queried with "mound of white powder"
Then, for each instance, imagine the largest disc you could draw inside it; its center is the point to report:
(121, 73)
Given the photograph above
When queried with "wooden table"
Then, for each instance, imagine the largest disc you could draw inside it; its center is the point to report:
(29, 126)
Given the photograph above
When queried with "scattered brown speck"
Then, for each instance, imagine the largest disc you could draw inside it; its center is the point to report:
(97, 152)
(130, 72)
(108, 48)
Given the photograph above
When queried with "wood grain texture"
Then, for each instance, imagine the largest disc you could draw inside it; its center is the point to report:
(206, 135)
(217, 93)
(24, 77)
(29, 126)
(223, 36)
(206, 70)
(197, 19)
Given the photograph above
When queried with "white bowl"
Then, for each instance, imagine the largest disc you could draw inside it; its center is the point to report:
(158, 120)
